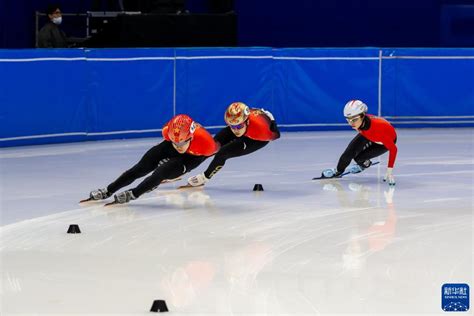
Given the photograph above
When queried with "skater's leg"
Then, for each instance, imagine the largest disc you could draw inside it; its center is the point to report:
(170, 168)
(239, 147)
(374, 150)
(355, 147)
(147, 164)
(370, 151)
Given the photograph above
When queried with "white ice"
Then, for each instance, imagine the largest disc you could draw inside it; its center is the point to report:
(348, 246)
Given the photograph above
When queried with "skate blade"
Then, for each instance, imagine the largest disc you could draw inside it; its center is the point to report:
(326, 178)
(171, 180)
(342, 175)
(329, 178)
(86, 200)
(188, 186)
(321, 178)
(111, 203)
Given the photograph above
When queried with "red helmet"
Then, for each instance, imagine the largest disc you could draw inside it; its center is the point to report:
(181, 128)
(236, 114)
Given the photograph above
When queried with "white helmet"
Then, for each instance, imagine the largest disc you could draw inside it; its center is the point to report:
(355, 107)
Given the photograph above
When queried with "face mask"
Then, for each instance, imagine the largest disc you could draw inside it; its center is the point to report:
(57, 20)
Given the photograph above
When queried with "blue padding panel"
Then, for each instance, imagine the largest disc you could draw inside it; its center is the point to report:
(312, 85)
(420, 87)
(66, 95)
(206, 86)
(130, 95)
(44, 96)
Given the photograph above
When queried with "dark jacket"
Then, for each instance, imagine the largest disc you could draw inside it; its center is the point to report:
(51, 36)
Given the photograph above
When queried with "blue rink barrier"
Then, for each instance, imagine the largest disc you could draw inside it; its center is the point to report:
(49, 96)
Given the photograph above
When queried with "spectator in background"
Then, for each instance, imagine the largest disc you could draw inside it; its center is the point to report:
(50, 35)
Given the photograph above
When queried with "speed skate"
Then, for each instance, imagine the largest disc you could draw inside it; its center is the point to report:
(322, 177)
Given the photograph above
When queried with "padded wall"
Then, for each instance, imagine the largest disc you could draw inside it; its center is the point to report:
(51, 96)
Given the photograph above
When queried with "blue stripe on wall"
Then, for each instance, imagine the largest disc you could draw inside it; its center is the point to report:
(73, 95)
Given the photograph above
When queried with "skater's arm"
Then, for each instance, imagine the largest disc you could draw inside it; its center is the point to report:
(392, 155)
(274, 129)
(224, 136)
(392, 150)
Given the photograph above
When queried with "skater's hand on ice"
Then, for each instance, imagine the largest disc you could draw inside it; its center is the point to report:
(197, 180)
(389, 177)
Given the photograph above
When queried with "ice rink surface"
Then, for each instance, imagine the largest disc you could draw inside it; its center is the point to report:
(301, 247)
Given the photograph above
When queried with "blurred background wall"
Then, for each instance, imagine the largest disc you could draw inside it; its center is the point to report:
(283, 23)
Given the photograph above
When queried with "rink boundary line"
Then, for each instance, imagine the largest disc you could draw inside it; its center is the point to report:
(432, 122)
(434, 173)
(42, 136)
(118, 59)
(431, 117)
(427, 57)
(58, 215)
(137, 132)
(19, 60)
(121, 59)
(62, 213)
(208, 127)
(326, 58)
(26, 60)
(225, 57)
(80, 134)
(43, 218)
(130, 58)
(442, 200)
(375, 58)
(312, 124)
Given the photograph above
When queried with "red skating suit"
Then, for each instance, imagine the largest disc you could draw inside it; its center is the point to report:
(259, 126)
(383, 133)
(202, 143)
